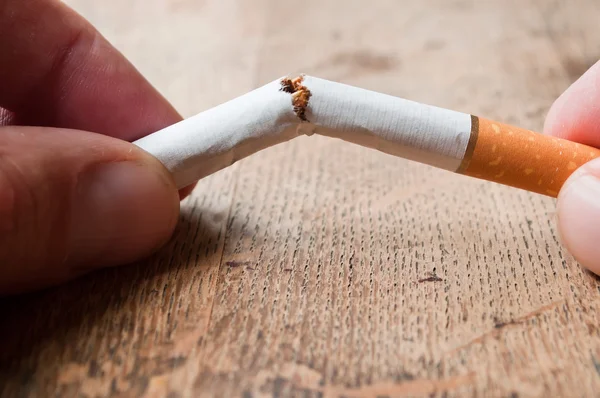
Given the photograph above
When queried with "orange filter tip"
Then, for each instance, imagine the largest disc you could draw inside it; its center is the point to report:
(521, 158)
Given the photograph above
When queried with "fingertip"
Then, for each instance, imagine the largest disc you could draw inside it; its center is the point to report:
(122, 211)
(574, 115)
(72, 201)
(187, 191)
(579, 215)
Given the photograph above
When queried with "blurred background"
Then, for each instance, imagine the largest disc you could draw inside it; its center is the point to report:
(504, 59)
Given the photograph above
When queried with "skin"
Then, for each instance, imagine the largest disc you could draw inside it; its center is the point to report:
(75, 195)
(576, 116)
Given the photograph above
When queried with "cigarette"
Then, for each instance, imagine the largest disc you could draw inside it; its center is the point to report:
(287, 108)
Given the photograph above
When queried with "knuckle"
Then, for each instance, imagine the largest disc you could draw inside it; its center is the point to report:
(16, 205)
(31, 219)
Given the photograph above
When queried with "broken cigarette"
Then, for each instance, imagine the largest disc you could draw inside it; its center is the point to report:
(284, 109)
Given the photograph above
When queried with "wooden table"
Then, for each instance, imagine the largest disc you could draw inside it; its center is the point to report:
(318, 268)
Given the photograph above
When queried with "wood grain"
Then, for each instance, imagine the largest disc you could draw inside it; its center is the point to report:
(318, 268)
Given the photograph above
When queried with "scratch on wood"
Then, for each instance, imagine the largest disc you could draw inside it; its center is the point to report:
(500, 326)
(236, 264)
(433, 278)
(596, 364)
(405, 389)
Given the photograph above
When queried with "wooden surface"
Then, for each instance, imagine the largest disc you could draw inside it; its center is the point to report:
(318, 268)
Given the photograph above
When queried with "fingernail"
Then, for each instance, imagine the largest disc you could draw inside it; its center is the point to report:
(121, 212)
(579, 219)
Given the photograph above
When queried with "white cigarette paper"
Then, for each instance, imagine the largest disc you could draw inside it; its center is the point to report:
(217, 138)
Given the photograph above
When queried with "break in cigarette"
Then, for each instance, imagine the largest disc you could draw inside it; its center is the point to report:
(287, 108)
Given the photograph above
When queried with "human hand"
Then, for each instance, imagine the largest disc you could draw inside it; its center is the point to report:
(576, 116)
(72, 200)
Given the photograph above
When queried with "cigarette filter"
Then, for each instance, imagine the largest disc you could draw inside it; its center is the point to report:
(286, 108)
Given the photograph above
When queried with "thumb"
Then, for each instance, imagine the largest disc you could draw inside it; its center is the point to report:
(72, 201)
(579, 215)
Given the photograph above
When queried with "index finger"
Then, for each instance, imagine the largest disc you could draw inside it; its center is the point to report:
(575, 115)
(57, 70)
